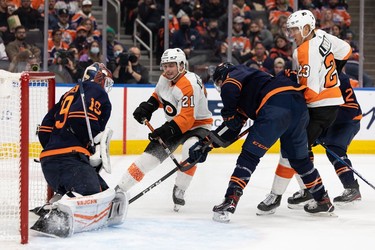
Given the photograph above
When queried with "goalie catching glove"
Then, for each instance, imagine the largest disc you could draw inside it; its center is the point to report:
(145, 110)
(101, 157)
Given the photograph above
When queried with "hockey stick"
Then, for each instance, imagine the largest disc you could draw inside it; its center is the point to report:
(207, 144)
(81, 91)
(345, 163)
(181, 166)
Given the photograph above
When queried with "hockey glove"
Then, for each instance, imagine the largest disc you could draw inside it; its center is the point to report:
(145, 110)
(165, 132)
(199, 151)
(234, 122)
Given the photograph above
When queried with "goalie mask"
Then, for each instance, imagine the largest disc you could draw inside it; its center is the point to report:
(220, 74)
(98, 73)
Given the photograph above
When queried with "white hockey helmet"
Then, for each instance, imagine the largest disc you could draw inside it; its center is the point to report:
(301, 18)
(174, 55)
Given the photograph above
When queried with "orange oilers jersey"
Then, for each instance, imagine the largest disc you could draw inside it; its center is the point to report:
(184, 102)
(315, 62)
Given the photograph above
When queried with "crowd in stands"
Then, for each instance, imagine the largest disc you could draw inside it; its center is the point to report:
(259, 36)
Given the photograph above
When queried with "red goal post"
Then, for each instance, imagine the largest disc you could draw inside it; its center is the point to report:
(25, 98)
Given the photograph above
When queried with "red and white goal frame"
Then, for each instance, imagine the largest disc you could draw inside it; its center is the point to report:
(25, 98)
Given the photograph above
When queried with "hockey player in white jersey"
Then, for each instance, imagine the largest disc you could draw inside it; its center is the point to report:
(183, 98)
(318, 59)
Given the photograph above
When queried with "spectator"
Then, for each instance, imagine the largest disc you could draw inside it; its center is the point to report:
(22, 62)
(256, 34)
(19, 45)
(221, 54)
(336, 31)
(309, 5)
(111, 43)
(326, 22)
(52, 14)
(270, 4)
(150, 13)
(173, 26)
(278, 66)
(81, 40)
(117, 50)
(213, 35)
(91, 34)
(260, 58)
(56, 43)
(186, 38)
(244, 10)
(92, 55)
(340, 14)
(281, 29)
(214, 9)
(84, 13)
(5, 33)
(129, 70)
(282, 49)
(29, 17)
(65, 66)
(265, 33)
(129, 13)
(63, 23)
(241, 44)
(282, 8)
(181, 8)
(198, 22)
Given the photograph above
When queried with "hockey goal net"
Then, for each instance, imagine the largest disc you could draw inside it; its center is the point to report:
(25, 98)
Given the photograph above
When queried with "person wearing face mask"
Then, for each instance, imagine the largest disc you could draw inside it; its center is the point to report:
(80, 42)
(186, 38)
(128, 69)
(92, 55)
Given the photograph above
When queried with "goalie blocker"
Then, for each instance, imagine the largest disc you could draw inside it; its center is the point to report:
(71, 215)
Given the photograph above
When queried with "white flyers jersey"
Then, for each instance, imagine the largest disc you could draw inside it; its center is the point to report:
(315, 62)
(184, 102)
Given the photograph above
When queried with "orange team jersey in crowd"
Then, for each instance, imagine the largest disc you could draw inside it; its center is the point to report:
(315, 62)
(52, 49)
(275, 15)
(68, 36)
(184, 102)
(272, 4)
(340, 14)
(240, 44)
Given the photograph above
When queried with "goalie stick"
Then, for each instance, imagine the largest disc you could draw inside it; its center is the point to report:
(156, 183)
(344, 162)
(181, 166)
(82, 92)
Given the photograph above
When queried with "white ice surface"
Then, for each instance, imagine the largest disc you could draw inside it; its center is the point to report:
(151, 222)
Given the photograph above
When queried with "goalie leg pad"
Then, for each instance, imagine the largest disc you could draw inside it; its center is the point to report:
(119, 208)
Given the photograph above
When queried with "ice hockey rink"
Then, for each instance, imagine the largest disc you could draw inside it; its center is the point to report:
(151, 222)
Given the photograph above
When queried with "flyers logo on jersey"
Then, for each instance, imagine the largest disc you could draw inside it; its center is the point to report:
(169, 109)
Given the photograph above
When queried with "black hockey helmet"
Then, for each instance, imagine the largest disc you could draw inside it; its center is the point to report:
(221, 72)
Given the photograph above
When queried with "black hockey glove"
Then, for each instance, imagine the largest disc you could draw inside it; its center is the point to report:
(199, 151)
(145, 110)
(234, 122)
(165, 132)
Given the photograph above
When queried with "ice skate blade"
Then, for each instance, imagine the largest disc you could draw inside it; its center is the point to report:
(347, 204)
(324, 214)
(221, 217)
(262, 213)
(298, 206)
(176, 208)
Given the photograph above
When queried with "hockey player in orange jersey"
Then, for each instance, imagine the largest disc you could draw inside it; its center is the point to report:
(183, 98)
(318, 58)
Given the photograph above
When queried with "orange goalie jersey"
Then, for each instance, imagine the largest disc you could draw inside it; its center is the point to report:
(315, 62)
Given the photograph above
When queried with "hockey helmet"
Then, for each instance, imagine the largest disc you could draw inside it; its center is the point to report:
(174, 55)
(220, 73)
(98, 73)
(301, 18)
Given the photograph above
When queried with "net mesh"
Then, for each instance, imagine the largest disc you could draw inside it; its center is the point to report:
(10, 136)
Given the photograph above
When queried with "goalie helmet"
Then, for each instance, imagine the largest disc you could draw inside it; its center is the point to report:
(174, 55)
(98, 73)
(220, 73)
(301, 18)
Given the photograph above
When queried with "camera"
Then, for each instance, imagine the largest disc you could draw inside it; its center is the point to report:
(34, 67)
(64, 55)
(126, 57)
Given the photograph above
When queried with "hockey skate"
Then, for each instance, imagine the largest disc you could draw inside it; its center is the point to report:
(269, 204)
(323, 207)
(349, 195)
(299, 199)
(178, 198)
(221, 212)
(119, 208)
